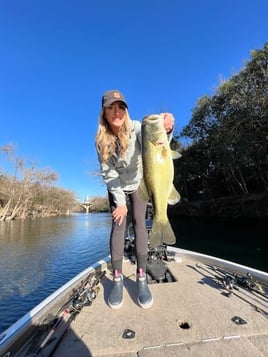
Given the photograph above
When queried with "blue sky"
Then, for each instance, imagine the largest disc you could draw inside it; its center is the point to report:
(58, 57)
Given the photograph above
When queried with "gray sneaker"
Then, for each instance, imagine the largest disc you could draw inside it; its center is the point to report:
(145, 298)
(115, 299)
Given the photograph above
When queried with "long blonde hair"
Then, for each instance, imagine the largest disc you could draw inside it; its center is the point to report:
(107, 142)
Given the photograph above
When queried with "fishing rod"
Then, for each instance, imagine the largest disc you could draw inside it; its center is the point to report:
(85, 294)
(82, 296)
(232, 280)
(51, 332)
(82, 285)
(246, 282)
(229, 284)
(226, 282)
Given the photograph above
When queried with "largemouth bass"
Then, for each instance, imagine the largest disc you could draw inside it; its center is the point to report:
(158, 174)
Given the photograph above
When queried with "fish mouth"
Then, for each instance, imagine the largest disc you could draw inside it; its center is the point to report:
(152, 118)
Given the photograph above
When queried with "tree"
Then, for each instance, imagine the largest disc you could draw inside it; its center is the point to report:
(229, 133)
(30, 192)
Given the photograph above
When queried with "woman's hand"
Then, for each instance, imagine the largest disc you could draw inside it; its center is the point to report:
(168, 122)
(119, 214)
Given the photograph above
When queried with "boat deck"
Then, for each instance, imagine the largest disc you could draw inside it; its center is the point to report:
(190, 317)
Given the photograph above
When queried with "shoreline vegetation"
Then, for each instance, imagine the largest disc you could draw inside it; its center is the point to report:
(223, 171)
(30, 192)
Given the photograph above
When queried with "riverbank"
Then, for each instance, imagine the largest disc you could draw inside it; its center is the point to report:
(230, 207)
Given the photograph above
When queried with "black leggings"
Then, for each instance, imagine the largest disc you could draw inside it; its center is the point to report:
(117, 237)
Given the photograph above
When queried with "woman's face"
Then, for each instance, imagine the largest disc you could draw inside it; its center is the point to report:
(115, 115)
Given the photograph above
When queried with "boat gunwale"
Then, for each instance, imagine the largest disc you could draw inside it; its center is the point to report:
(233, 267)
(38, 313)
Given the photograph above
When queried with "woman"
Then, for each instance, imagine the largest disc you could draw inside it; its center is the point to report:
(118, 144)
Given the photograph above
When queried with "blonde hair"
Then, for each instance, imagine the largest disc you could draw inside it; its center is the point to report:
(106, 141)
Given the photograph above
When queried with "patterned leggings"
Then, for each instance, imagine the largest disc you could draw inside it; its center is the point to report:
(117, 237)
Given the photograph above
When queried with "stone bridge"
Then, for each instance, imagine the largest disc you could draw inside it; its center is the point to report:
(86, 204)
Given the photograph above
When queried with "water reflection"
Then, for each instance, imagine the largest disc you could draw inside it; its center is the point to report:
(38, 256)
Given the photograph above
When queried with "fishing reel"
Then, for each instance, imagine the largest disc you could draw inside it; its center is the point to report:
(87, 291)
(84, 297)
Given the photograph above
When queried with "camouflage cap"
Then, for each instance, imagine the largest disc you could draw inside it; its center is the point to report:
(112, 96)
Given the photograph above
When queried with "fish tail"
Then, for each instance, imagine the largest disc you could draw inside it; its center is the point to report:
(161, 233)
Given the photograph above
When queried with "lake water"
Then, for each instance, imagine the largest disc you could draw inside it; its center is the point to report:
(38, 256)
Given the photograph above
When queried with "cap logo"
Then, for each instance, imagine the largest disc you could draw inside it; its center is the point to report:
(117, 95)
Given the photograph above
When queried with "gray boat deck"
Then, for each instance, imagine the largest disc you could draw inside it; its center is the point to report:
(190, 317)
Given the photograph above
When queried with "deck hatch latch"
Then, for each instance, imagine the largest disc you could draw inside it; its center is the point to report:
(238, 320)
(128, 333)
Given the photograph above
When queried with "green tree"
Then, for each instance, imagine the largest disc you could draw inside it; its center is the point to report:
(229, 134)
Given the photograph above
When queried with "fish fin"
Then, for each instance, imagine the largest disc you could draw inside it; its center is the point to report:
(174, 196)
(161, 233)
(143, 192)
(175, 154)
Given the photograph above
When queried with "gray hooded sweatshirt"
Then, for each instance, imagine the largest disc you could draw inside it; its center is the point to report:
(123, 174)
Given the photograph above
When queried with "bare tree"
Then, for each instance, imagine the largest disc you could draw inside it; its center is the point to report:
(29, 192)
